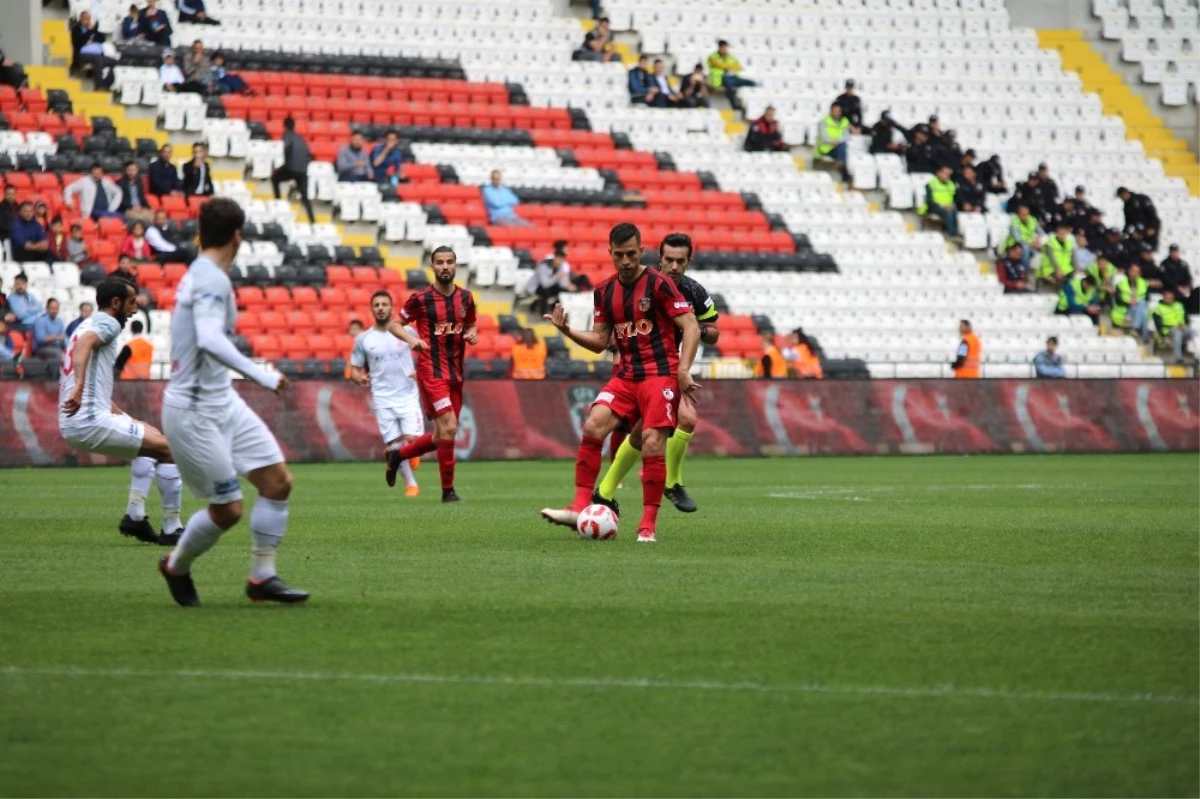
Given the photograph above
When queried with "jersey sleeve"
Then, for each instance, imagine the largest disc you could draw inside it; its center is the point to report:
(469, 320)
(670, 300)
(105, 328)
(358, 356)
(411, 308)
(210, 297)
(702, 304)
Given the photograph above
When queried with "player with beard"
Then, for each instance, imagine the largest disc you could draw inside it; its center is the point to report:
(444, 316)
(674, 256)
(649, 317)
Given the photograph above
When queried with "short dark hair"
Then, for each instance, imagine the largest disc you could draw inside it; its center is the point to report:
(51, 300)
(391, 132)
(112, 288)
(1088, 280)
(657, 61)
(130, 163)
(220, 219)
(354, 322)
(966, 322)
(85, 304)
(624, 231)
(21, 276)
(442, 248)
(676, 240)
(76, 226)
(289, 124)
(1052, 339)
(136, 326)
(560, 247)
(95, 165)
(24, 203)
(722, 43)
(382, 293)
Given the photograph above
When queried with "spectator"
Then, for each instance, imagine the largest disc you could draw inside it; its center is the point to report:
(172, 79)
(195, 12)
(356, 327)
(946, 151)
(771, 364)
(695, 88)
(552, 276)
(1140, 210)
(967, 160)
(501, 203)
(145, 304)
(8, 213)
(1113, 246)
(134, 359)
(354, 162)
(640, 82)
(1104, 275)
(161, 236)
(831, 138)
(197, 173)
(1078, 296)
(1024, 228)
(10, 350)
(1177, 276)
(224, 81)
(124, 269)
(23, 305)
(723, 71)
(1171, 323)
(3, 301)
(802, 356)
(968, 363)
(1095, 230)
(529, 357)
(41, 213)
(1013, 271)
(98, 197)
(87, 48)
(29, 242)
(851, 105)
(1058, 261)
(1027, 194)
(1048, 363)
(969, 193)
(155, 25)
(1047, 189)
(1150, 270)
(164, 177)
(1130, 305)
(198, 67)
(387, 160)
(85, 310)
(883, 136)
(918, 156)
(1082, 257)
(764, 135)
(296, 158)
(598, 43)
(666, 96)
(11, 72)
(939, 200)
(133, 193)
(49, 333)
(991, 175)
(1082, 206)
(58, 240)
(131, 26)
(77, 248)
(136, 246)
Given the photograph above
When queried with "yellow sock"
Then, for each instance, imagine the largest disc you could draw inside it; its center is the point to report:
(677, 447)
(627, 456)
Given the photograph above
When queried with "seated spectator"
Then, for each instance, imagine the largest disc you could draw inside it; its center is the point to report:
(354, 162)
(49, 333)
(87, 48)
(802, 356)
(98, 197)
(1077, 297)
(296, 158)
(883, 136)
(197, 173)
(723, 69)
(387, 160)
(136, 246)
(991, 175)
(77, 248)
(195, 12)
(640, 82)
(58, 240)
(1130, 303)
(764, 135)
(1082, 206)
(3, 301)
(501, 203)
(10, 350)
(124, 269)
(851, 105)
(529, 357)
(1013, 271)
(1024, 229)
(155, 25)
(41, 213)
(946, 151)
(551, 277)
(967, 160)
(968, 192)
(598, 43)
(832, 134)
(1140, 211)
(1027, 194)
(771, 364)
(1170, 322)
(1149, 266)
(85, 310)
(1177, 276)
(131, 26)
(8, 213)
(23, 305)
(1048, 363)
(918, 156)
(164, 177)
(1104, 275)
(1082, 257)
(695, 88)
(224, 81)
(157, 237)
(172, 77)
(134, 359)
(198, 67)
(939, 200)
(1047, 189)
(133, 193)
(28, 237)
(666, 96)
(1058, 261)
(11, 72)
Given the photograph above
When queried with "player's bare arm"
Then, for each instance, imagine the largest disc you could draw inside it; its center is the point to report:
(397, 329)
(471, 336)
(359, 376)
(709, 334)
(690, 330)
(595, 340)
(81, 356)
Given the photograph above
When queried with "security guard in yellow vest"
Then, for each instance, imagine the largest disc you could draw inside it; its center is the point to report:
(1078, 296)
(1058, 256)
(1170, 320)
(1129, 302)
(831, 137)
(1105, 276)
(939, 199)
(1024, 228)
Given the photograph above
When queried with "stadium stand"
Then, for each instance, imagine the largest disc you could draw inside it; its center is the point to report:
(1161, 38)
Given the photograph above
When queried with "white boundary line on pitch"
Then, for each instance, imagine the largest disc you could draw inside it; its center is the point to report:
(918, 692)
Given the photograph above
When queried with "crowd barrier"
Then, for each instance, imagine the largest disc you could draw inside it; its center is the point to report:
(507, 419)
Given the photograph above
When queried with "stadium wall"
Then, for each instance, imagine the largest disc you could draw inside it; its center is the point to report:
(505, 419)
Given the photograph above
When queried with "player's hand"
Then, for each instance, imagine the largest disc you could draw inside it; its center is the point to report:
(687, 385)
(558, 317)
(283, 384)
(472, 337)
(71, 404)
(419, 345)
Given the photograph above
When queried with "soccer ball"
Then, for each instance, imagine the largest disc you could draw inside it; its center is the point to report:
(597, 523)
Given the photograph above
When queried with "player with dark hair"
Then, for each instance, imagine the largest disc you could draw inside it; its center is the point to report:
(674, 256)
(657, 337)
(444, 316)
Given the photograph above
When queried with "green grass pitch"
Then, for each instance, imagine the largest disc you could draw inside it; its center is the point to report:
(1006, 626)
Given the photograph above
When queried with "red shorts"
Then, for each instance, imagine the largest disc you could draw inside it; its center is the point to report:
(440, 396)
(654, 400)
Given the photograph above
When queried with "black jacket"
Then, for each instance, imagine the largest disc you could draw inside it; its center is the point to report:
(1047, 193)
(80, 38)
(972, 193)
(764, 135)
(989, 172)
(920, 158)
(1175, 274)
(164, 178)
(126, 199)
(1026, 195)
(191, 179)
(1139, 209)
(851, 108)
(8, 212)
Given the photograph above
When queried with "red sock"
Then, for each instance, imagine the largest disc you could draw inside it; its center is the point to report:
(654, 478)
(587, 469)
(417, 447)
(614, 444)
(445, 451)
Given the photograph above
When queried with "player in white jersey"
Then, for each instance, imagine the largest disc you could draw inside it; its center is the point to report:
(213, 433)
(90, 421)
(394, 394)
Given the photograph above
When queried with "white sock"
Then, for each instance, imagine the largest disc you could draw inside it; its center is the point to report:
(406, 470)
(170, 486)
(199, 537)
(141, 472)
(268, 522)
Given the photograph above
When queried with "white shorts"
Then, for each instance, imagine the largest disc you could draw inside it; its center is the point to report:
(212, 448)
(111, 434)
(397, 422)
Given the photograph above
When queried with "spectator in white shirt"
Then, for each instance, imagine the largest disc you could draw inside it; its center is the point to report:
(665, 97)
(172, 78)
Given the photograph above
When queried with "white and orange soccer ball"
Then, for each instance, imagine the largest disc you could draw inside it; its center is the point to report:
(597, 523)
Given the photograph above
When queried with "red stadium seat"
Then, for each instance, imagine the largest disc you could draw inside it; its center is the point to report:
(266, 346)
(278, 297)
(323, 346)
(337, 275)
(327, 322)
(295, 346)
(249, 324)
(299, 321)
(274, 321)
(306, 299)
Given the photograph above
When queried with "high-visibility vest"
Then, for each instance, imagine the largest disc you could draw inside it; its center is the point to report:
(779, 366)
(1171, 315)
(1081, 297)
(1027, 229)
(972, 364)
(941, 192)
(1059, 253)
(833, 132)
(138, 365)
(1128, 295)
(718, 65)
(529, 362)
(1093, 272)
(807, 364)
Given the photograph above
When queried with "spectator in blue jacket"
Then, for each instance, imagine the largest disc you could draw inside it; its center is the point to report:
(387, 160)
(23, 306)
(1048, 363)
(131, 26)
(500, 202)
(164, 177)
(49, 333)
(641, 85)
(85, 311)
(28, 237)
(194, 11)
(156, 26)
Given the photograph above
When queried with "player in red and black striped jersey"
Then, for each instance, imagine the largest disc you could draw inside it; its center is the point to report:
(444, 316)
(657, 337)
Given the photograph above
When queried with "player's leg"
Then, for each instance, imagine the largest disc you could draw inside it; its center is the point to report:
(658, 401)
(677, 447)
(425, 442)
(170, 485)
(412, 426)
(134, 523)
(389, 430)
(614, 401)
(625, 458)
(445, 432)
